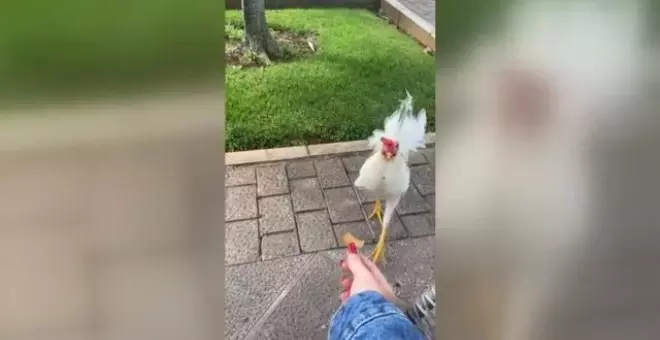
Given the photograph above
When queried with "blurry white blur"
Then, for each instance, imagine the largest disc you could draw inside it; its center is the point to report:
(544, 110)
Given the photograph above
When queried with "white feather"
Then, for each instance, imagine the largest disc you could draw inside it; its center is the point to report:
(389, 180)
(404, 127)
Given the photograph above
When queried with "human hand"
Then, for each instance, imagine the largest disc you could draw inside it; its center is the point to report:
(360, 274)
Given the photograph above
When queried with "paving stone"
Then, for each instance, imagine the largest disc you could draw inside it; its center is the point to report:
(331, 173)
(419, 224)
(416, 158)
(242, 175)
(412, 203)
(306, 310)
(343, 205)
(276, 214)
(429, 153)
(431, 200)
(424, 179)
(364, 195)
(251, 288)
(272, 180)
(306, 195)
(360, 230)
(410, 264)
(315, 231)
(353, 163)
(279, 245)
(241, 242)
(240, 203)
(300, 169)
(396, 229)
(337, 254)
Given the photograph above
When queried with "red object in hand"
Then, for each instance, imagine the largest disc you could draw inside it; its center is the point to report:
(352, 248)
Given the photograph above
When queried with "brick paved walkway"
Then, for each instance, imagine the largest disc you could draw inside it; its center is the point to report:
(284, 222)
(302, 206)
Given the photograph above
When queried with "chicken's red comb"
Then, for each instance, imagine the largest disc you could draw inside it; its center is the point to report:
(388, 141)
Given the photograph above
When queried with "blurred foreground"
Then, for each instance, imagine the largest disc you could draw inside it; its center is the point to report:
(548, 226)
(111, 219)
(111, 188)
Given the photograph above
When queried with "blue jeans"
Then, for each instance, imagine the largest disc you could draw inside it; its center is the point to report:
(369, 316)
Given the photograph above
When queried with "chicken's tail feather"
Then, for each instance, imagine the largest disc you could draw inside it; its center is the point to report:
(410, 130)
(404, 127)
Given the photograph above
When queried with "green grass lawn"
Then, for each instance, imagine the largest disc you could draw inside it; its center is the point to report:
(343, 92)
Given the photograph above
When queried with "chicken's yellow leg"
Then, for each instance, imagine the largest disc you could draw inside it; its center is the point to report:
(378, 211)
(379, 252)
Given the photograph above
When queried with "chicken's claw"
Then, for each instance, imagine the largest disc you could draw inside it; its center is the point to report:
(378, 211)
(378, 254)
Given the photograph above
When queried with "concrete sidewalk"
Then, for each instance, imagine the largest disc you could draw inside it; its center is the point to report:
(284, 221)
(415, 17)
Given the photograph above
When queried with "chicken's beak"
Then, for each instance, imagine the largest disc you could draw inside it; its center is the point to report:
(389, 156)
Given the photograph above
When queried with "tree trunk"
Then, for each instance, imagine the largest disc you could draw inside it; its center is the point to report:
(257, 35)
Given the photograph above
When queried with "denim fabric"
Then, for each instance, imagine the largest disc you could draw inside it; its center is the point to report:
(369, 316)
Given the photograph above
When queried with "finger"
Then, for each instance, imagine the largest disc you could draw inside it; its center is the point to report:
(346, 283)
(344, 266)
(356, 265)
(344, 295)
(375, 272)
(370, 265)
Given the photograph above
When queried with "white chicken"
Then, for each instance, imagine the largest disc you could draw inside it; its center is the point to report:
(386, 171)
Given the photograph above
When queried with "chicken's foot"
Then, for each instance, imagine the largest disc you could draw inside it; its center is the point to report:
(378, 211)
(378, 254)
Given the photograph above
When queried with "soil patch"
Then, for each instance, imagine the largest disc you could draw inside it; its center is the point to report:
(294, 45)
